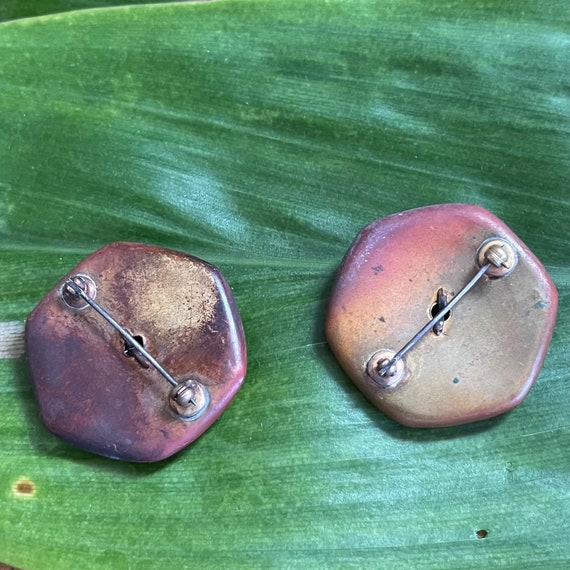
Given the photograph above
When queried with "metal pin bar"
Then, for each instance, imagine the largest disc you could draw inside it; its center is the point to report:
(383, 370)
(121, 330)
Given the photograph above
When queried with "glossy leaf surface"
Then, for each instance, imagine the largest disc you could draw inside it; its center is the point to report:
(15, 9)
(262, 136)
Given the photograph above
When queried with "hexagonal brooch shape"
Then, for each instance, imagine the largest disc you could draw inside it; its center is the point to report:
(144, 393)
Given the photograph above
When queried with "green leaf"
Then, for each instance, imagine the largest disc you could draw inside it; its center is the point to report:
(261, 136)
(14, 9)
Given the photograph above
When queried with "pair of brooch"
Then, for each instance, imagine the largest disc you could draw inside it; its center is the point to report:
(440, 316)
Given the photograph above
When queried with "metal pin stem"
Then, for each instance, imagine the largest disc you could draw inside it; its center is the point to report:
(121, 330)
(383, 370)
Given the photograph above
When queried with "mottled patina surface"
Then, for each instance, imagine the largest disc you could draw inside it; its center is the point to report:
(491, 348)
(92, 395)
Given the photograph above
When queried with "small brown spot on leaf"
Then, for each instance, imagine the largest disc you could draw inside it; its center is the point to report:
(482, 533)
(24, 488)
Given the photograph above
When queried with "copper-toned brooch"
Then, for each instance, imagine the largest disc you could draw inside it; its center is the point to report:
(136, 352)
(441, 315)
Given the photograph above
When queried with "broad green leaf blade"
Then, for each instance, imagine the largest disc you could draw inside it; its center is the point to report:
(262, 136)
(15, 9)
